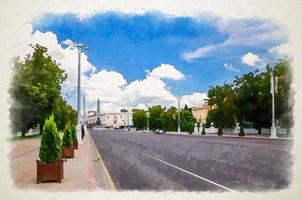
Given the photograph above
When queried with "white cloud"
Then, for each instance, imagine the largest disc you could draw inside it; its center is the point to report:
(166, 71)
(66, 57)
(252, 60)
(240, 32)
(230, 67)
(193, 100)
(106, 85)
(282, 50)
(198, 53)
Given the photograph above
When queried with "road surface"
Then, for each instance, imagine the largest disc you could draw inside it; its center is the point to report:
(145, 161)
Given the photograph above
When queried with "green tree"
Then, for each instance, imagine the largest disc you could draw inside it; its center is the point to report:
(221, 98)
(155, 113)
(50, 148)
(34, 90)
(169, 119)
(67, 140)
(139, 118)
(187, 121)
(284, 97)
(73, 133)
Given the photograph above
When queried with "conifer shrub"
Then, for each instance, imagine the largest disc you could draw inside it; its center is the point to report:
(67, 140)
(73, 133)
(50, 148)
(203, 132)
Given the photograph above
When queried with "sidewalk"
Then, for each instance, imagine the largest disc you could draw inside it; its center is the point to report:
(85, 172)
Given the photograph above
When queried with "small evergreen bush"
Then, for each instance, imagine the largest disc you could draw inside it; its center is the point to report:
(203, 132)
(67, 137)
(50, 148)
(74, 134)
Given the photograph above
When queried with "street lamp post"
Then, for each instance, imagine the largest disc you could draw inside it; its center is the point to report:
(148, 116)
(80, 47)
(178, 116)
(273, 128)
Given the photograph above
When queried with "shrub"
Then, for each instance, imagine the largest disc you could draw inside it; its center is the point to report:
(203, 132)
(67, 137)
(74, 134)
(50, 148)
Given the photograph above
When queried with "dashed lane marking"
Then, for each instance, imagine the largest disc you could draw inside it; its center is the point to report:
(183, 170)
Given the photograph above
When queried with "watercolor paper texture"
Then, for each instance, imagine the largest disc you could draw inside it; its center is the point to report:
(158, 56)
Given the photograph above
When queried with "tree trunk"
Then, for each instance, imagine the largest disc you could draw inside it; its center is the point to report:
(241, 132)
(41, 128)
(23, 133)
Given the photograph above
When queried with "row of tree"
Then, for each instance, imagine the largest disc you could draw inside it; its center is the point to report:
(35, 92)
(163, 119)
(247, 100)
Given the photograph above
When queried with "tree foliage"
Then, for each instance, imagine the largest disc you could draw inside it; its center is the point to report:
(187, 121)
(67, 140)
(248, 100)
(154, 120)
(35, 92)
(139, 118)
(169, 119)
(50, 148)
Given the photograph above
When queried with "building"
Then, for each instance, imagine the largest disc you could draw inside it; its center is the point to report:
(116, 120)
(91, 119)
(200, 113)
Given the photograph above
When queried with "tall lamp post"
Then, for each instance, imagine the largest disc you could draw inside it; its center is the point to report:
(273, 91)
(178, 116)
(148, 116)
(81, 47)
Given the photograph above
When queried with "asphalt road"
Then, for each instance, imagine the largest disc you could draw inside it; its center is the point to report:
(146, 161)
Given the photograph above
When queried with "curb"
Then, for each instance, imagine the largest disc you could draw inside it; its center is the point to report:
(108, 177)
(233, 136)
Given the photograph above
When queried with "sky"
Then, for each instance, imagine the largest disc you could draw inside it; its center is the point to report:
(140, 60)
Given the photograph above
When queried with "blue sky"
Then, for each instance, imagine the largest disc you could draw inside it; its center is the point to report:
(206, 50)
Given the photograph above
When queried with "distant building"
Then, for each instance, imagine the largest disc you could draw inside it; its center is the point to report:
(200, 113)
(116, 120)
(91, 119)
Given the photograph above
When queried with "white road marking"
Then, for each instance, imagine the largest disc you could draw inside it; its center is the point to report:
(219, 160)
(183, 170)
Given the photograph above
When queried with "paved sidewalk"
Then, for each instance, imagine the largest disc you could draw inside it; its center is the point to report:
(85, 172)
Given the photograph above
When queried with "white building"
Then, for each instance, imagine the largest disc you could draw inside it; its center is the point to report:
(116, 120)
(91, 119)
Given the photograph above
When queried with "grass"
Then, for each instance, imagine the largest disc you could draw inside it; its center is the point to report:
(18, 138)
(36, 136)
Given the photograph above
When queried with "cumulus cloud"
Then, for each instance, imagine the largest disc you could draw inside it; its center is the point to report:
(166, 71)
(66, 57)
(230, 67)
(252, 60)
(193, 100)
(282, 50)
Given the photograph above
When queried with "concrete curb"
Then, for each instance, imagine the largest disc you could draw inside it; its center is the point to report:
(232, 136)
(102, 165)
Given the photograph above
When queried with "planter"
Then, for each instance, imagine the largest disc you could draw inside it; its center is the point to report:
(67, 152)
(76, 145)
(49, 171)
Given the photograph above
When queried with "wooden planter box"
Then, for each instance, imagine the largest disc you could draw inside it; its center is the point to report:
(50, 171)
(76, 145)
(67, 152)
